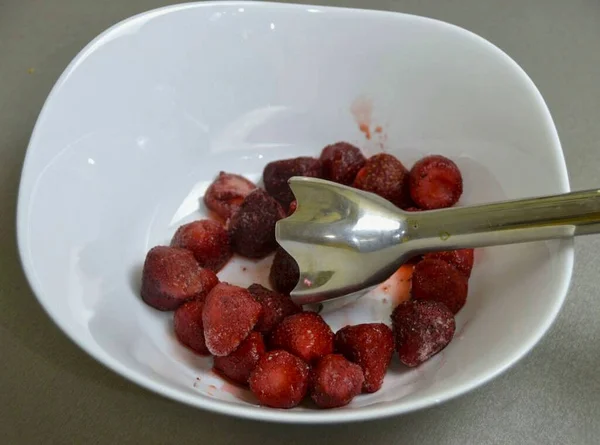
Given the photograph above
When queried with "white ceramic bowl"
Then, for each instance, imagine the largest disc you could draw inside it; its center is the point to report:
(146, 114)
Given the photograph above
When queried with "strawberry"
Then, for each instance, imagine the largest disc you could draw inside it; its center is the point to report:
(335, 381)
(341, 162)
(279, 380)
(284, 273)
(305, 335)
(371, 346)
(172, 276)
(252, 227)
(238, 365)
(230, 313)
(275, 307)
(189, 330)
(438, 280)
(292, 208)
(421, 330)
(277, 173)
(435, 182)
(462, 259)
(385, 176)
(207, 240)
(226, 193)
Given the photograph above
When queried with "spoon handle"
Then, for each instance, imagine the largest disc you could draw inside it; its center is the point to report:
(509, 222)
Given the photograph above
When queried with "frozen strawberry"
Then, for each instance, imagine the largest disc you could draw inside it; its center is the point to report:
(412, 209)
(335, 381)
(414, 260)
(279, 380)
(172, 276)
(277, 173)
(275, 307)
(284, 274)
(230, 313)
(435, 183)
(238, 365)
(370, 345)
(385, 176)
(207, 240)
(293, 207)
(189, 329)
(421, 330)
(437, 280)
(305, 335)
(252, 227)
(341, 162)
(226, 193)
(462, 259)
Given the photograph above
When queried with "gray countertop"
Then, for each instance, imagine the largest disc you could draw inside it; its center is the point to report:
(52, 393)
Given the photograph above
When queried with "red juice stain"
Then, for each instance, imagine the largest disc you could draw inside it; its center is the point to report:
(362, 111)
(365, 129)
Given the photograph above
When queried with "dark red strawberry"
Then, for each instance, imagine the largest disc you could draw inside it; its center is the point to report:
(172, 276)
(305, 335)
(226, 194)
(284, 274)
(280, 380)
(435, 183)
(369, 345)
(421, 330)
(335, 381)
(385, 176)
(207, 240)
(277, 173)
(438, 280)
(238, 365)
(230, 313)
(341, 162)
(275, 307)
(252, 227)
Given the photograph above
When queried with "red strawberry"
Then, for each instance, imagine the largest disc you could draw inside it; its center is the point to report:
(280, 380)
(172, 276)
(275, 307)
(230, 314)
(284, 274)
(207, 240)
(305, 335)
(189, 330)
(385, 176)
(277, 173)
(370, 345)
(238, 365)
(252, 227)
(435, 183)
(438, 280)
(421, 330)
(462, 259)
(335, 381)
(292, 208)
(226, 193)
(341, 162)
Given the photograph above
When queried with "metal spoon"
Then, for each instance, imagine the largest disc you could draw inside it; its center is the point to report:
(347, 241)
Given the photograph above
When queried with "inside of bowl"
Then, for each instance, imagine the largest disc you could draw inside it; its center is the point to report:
(147, 115)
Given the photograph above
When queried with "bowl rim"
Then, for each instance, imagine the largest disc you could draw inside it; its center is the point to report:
(258, 412)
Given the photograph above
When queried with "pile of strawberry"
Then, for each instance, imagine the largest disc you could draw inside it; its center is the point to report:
(259, 337)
